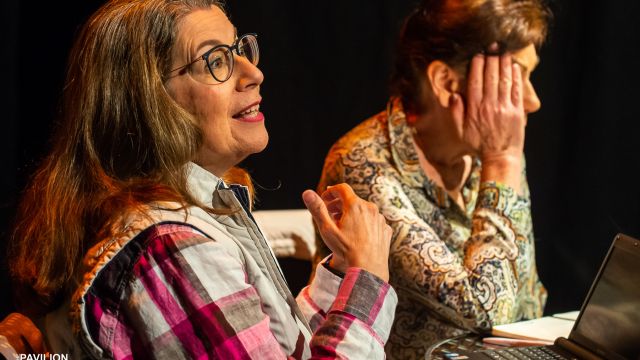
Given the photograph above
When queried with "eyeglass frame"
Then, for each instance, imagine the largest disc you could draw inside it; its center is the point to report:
(233, 48)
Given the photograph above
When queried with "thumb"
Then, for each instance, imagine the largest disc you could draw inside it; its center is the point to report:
(317, 208)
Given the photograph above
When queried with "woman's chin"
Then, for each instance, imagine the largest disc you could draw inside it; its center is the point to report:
(257, 144)
(262, 143)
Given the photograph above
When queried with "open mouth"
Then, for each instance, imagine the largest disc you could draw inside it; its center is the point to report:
(250, 114)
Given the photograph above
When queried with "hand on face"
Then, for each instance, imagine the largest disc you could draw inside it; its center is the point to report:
(494, 118)
(353, 229)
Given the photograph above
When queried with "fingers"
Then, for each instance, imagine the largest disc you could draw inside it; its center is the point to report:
(475, 84)
(318, 210)
(498, 78)
(500, 81)
(335, 208)
(505, 85)
(388, 233)
(517, 90)
(386, 229)
(341, 191)
(360, 238)
(495, 108)
(491, 78)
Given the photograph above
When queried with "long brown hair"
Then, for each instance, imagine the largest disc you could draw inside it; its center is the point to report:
(453, 31)
(122, 142)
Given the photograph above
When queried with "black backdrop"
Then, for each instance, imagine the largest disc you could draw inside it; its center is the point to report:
(326, 65)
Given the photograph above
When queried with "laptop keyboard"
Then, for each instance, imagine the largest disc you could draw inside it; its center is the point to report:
(524, 353)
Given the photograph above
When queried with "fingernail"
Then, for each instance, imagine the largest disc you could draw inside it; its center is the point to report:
(308, 197)
(493, 47)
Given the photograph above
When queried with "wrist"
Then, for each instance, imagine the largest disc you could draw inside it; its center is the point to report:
(502, 160)
(504, 168)
(378, 269)
(339, 267)
(336, 266)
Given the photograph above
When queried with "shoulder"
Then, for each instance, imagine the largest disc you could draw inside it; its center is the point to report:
(185, 255)
(370, 135)
(171, 249)
(158, 281)
(170, 236)
(167, 238)
(364, 148)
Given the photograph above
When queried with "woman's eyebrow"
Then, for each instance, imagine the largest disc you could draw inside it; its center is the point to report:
(215, 42)
(208, 43)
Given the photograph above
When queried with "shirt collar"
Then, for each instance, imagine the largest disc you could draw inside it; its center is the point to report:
(401, 144)
(202, 183)
(407, 162)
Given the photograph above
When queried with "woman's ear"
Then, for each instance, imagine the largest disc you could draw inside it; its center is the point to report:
(444, 81)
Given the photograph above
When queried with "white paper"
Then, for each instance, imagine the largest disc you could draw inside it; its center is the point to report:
(571, 315)
(547, 328)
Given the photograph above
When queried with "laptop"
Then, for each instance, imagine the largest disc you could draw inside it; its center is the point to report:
(608, 326)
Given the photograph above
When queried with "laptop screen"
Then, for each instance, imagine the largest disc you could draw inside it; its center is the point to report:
(609, 323)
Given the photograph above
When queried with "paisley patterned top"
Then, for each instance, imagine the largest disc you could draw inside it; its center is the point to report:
(455, 270)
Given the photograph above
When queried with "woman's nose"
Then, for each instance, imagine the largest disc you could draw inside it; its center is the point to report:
(249, 76)
(531, 100)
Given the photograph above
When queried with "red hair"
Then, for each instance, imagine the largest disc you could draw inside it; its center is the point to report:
(453, 31)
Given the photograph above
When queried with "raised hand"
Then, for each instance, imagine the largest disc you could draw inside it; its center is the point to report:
(494, 118)
(353, 229)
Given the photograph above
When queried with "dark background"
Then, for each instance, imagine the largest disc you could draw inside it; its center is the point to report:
(327, 64)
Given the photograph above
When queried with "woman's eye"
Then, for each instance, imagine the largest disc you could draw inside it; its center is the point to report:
(216, 62)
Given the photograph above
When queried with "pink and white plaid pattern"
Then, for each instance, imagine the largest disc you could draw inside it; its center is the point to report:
(187, 297)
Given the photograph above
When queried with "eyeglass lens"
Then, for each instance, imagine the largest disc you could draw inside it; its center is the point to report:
(220, 61)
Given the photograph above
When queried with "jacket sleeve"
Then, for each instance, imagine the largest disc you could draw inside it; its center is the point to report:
(351, 317)
(188, 297)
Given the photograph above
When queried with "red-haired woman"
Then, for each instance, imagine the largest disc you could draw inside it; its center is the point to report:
(444, 163)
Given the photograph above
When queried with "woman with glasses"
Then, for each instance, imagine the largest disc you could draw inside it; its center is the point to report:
(136, 232)
(444, 163)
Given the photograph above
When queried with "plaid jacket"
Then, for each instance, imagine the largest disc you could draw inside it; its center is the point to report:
(196, 285)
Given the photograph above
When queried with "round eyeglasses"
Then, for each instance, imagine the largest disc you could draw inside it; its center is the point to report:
(218, 61)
